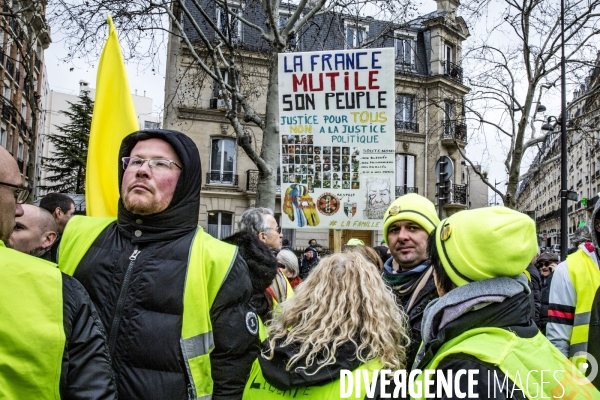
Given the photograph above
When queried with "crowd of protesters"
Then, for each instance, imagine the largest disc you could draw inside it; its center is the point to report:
(149, 306)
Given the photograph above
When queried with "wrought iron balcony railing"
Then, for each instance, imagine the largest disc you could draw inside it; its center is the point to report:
(407, 126)
(458, 194)
(455, 130)
(252, 181)
(453, 71)
(222, 178)
(402, 190)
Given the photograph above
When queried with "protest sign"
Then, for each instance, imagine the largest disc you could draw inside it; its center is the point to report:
(337, 138)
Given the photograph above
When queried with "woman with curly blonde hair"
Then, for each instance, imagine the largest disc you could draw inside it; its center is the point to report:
(342, 317)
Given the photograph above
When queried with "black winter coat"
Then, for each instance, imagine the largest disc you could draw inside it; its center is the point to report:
(135, 273)
(86, 371)
(535, 284)
(545, 304)
(262, 267)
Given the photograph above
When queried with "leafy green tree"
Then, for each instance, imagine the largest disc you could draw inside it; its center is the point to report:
(68, 162)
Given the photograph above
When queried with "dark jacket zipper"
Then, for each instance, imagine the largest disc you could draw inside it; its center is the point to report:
(121, 302)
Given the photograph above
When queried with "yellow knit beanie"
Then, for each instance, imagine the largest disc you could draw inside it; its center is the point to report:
(411, 207)
(485, 243)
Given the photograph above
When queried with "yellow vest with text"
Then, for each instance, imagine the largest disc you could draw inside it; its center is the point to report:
(585, 276)
(209, 263)
(516, 357)
(257, 388)
(32, 335)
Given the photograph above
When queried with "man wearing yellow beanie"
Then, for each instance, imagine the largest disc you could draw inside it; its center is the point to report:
(482, 321)
(406, 225)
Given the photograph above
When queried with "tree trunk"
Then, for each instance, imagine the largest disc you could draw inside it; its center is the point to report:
(510, 199)
(269, 152)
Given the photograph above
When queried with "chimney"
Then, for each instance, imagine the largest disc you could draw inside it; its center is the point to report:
(136, 92)
(448, 6)
(144, 93)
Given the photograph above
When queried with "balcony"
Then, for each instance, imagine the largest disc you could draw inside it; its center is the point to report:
(6, 114)
(10, 67)
(453, 71)
(592, 202)
(402, 190)
(221, 179)
(407, 126)
(454, 133)
(252, 181)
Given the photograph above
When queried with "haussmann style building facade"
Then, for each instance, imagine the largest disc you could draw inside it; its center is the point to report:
(429, 117)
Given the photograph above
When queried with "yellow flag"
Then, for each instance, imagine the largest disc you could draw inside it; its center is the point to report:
(114, 118)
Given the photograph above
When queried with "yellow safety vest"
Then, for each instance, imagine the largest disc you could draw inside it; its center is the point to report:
(516, 357)
(32, 334)
(257, 388)
(289, 293)
(209, 263)
(586, 280)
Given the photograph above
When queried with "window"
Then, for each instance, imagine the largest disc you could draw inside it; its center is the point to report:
(449, 112)
(151, 125)
(405, 49)
(20, 150)
(3, 137)
(7, 92)
(405, 108)
(222, 162)
(217, 92)
(228, 24)
(356, 36)
(448, 53)
(220, 224)
(405, 173)
(405, 112)
(293, 44)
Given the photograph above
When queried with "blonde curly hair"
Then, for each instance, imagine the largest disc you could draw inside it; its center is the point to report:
(344, 299)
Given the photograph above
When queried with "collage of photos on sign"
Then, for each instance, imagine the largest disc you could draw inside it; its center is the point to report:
(319, 167)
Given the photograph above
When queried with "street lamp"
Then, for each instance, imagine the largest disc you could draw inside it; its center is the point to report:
(563, 137)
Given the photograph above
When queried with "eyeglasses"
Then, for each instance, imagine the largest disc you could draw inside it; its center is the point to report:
(278, 229)
(545, 264)
(21, 192)
(157, 164)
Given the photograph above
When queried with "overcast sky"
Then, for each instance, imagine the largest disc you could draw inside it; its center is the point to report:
(65, 77)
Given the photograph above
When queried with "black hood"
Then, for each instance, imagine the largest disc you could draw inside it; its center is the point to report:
(261, 263)
(181, 216)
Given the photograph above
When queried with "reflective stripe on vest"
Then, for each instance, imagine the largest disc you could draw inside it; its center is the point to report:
(209, 263)
(586, 280)
(516, 357)
(257, 388)
(32, 335)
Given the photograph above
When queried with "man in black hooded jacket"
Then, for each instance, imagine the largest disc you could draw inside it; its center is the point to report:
(138, 268)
